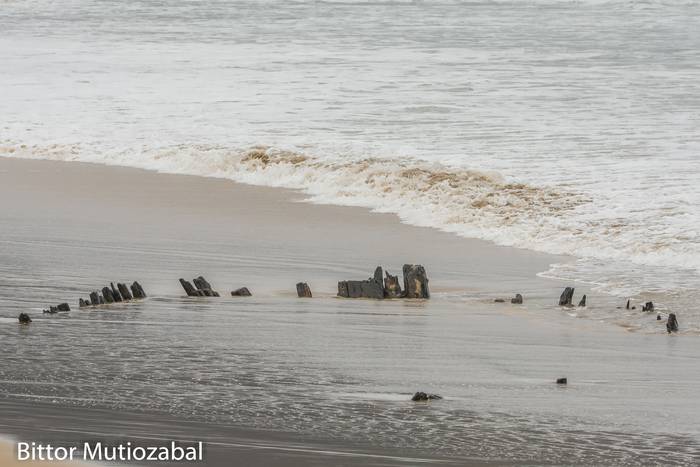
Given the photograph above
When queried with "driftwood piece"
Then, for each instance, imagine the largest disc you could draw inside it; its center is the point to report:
(242, 292)
(567, 297)
(303, 290)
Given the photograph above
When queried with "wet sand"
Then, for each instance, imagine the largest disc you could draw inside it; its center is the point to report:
(279, 380)
(223, 443)
(8, 458)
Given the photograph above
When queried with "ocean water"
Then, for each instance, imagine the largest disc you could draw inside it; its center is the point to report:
(559, 126)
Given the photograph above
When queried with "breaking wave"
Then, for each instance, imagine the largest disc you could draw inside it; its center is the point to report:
(470, 203)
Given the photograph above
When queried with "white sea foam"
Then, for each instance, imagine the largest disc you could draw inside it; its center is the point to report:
(466, 202)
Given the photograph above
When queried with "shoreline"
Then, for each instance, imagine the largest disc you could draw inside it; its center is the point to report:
(68, 181)
(493, 271)
(333, 374)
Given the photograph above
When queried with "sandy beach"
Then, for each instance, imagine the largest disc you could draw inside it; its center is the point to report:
(324, 381)
(502, 154)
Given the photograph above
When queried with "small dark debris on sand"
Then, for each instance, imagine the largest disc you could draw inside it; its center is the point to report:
(24, 318)
(242, 292)
(562, 381)
(423, 396)
(62, 307)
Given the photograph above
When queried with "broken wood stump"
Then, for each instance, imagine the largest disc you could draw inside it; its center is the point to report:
(566, 297)
(370, 288)
(124, 291)
(672, 323)
(189, 289)
(137, 291)
(415, 281)
(201, 288)
(392, 287)
(107, 295)
(115, 293)
(94, 298)
(379, 287)
(303, 290)
(202, 284)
